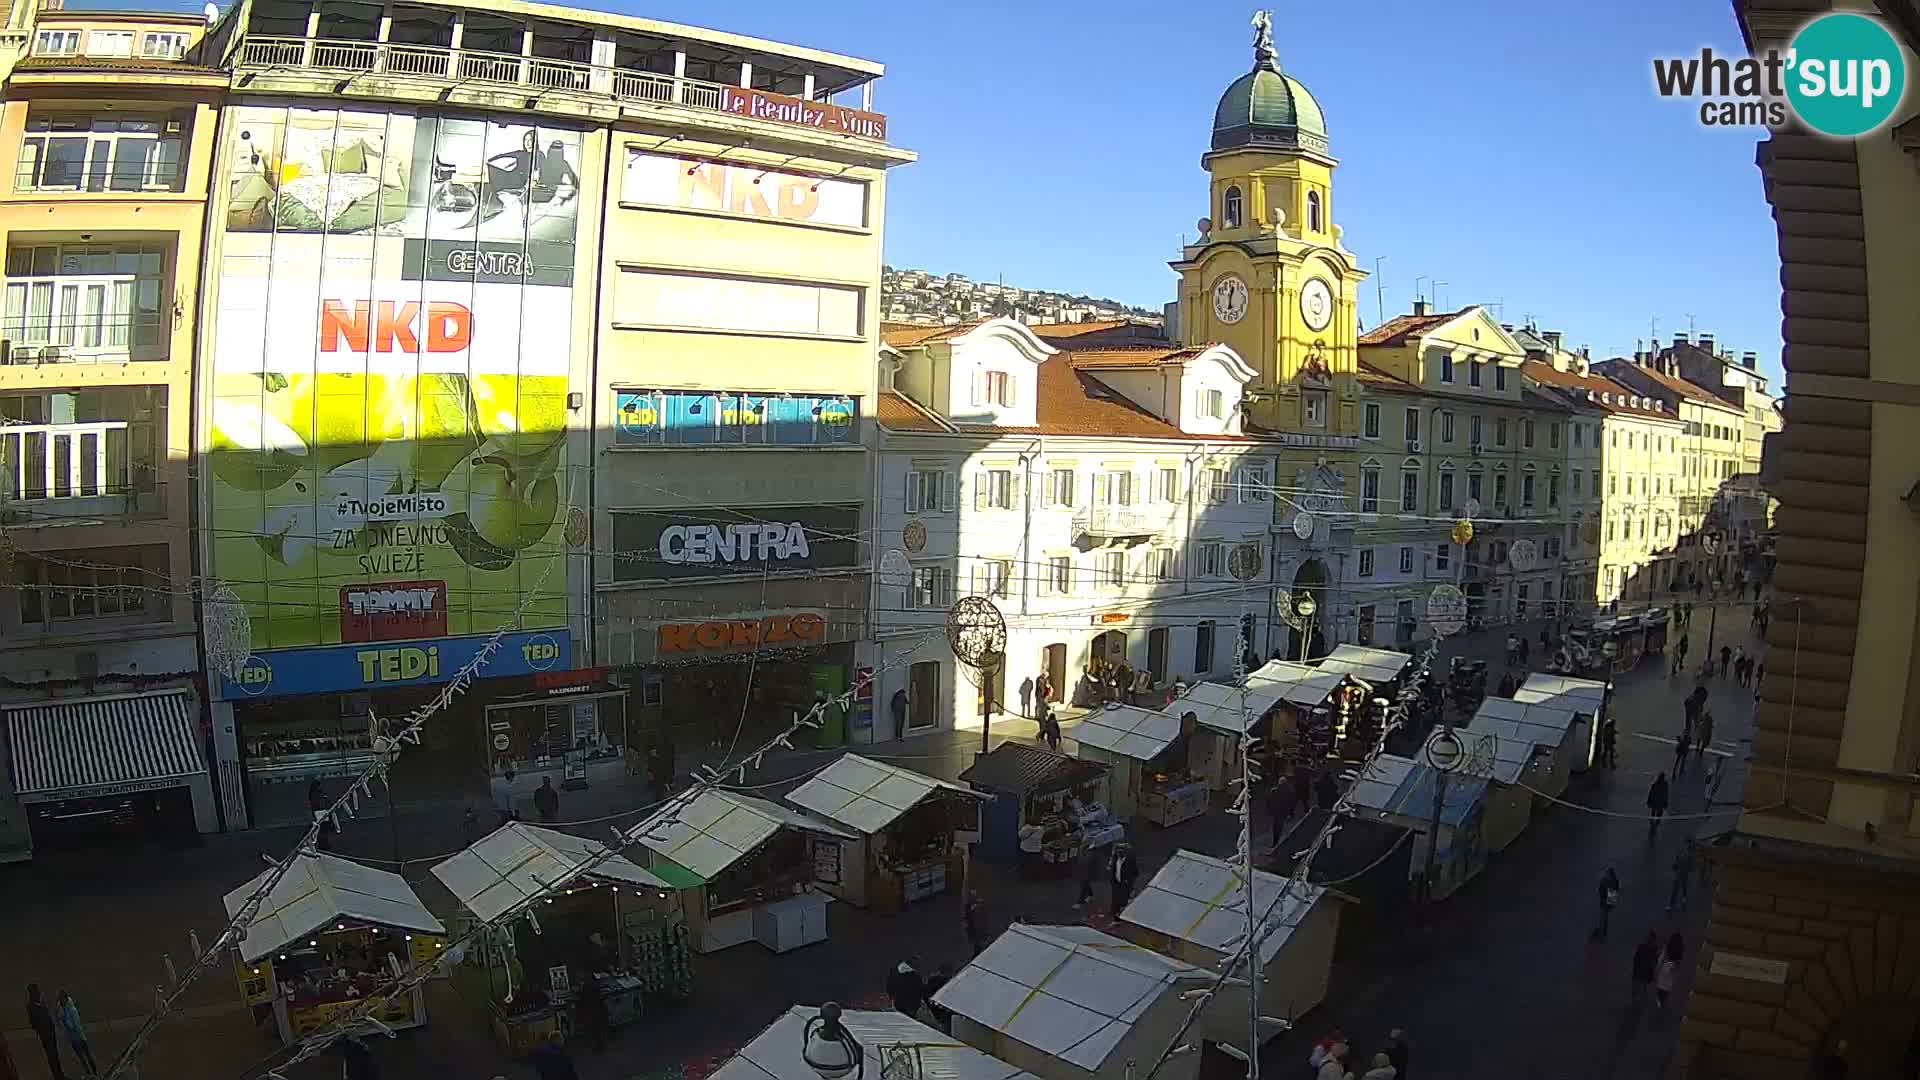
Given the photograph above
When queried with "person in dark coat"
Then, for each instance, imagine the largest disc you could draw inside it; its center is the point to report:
(40, 1019)
(1126, 870)
(1680, 747)
(660, 766)
(1656, 803)
(1303, 787)
(1609, 899)
(1396, 1049)
(974, 918)
(942, 1018)
(1090, 870)
(551, 1062)
(906, 989)
(1726, 658)
(898, 705)
(1050, 728)
(1646, 958)
(1610, 743)
(1325, 791)
(1280, 806)
(546, 799)
(359, 1061)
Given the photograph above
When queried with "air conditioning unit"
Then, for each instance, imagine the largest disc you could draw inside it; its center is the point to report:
(1413, 446)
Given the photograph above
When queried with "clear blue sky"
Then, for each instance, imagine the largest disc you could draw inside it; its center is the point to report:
(1514, 150)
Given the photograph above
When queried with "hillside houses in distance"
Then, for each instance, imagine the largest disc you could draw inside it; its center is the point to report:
(921, 296)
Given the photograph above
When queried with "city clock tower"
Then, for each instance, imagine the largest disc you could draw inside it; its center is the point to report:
(1268, 275)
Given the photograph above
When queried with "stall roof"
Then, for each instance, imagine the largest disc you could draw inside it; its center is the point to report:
(1374, 788)
(867, 795)
(1140, 734)
(1491, 755)
(1298, 684)
(1226, 708)
(1202, 899)
(1403, 787)
(319, 889)
(1373, 665)
(518, 861)
(1070, 992)
(1580, 695)
(775, 1053)
(1547, 724)
(1017, 769)
(719, 828)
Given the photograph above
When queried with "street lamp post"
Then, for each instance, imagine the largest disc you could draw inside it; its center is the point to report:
(1443, 754)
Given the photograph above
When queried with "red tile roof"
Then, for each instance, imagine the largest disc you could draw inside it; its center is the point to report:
(907, 335)
(123, 65)
(1101, 334)
(897, 412)
(1070, 402)
(1578, 387)
(1373, 376)
(1677, 386)
(1077, 329)
(1397, 330)
(1139, 356)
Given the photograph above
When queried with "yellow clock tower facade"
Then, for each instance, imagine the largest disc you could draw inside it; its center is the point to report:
(1268, 276)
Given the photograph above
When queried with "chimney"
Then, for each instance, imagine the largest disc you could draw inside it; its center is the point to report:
(1750, 359)
(1553, 339)
(1419, 307)
(1679, 339)
(1706, 344)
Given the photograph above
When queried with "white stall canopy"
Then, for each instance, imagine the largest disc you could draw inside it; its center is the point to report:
(775, 1053)
(1371, 665)
(518, 861)
(719, 828)
(1203, 900)
(1495, 755)
(867, 795)
(1130, 732)
(1297, 684)
(319, 890)
(1563, 691)
(1070, 992)
(1378, 785)
(1543, 723)
(1226, 708)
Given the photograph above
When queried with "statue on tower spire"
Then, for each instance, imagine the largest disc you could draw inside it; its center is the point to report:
(1263, 54)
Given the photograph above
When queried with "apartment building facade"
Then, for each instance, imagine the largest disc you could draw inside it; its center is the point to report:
(1737, 380)
(1109, 502)
(103, 223)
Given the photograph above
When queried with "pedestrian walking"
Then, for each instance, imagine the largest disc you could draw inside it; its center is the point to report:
(1126, 870)
(898, 704)
(1091, 868)
(547, 800)
(1663, 976)
(1382, 1068)
(1049, 728)
(551, 1061)
(68, 1014)
(1280, 807)
(1042, 690)
(1610, 743)
(1739, 661)
(1526, 652)
(40, 1019)
(1682, 877)
(1656, 802)
(1609, 899)
(1513, 650)
(1646, 961)
(1679, 656)
(973, 917)
(1680, 747)
(501, 787)
(1726, 655)
(592, 1012)
(1325, 791)
(1303, 787)
(906, 989)
(1330, 1062)
(942, 1018)
(1759, 673)
(359, 1065)
(660, 766)
(1703, 733)
(1397, 1051)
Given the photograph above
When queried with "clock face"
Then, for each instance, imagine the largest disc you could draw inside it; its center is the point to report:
(1316, 304)
(1230, 299)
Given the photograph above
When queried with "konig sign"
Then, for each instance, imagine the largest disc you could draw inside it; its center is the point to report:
(652, 544)
(381, 664)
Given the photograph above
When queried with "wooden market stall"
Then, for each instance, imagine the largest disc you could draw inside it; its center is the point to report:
(330, 932)
(1222, 714)
(742, 866)
(1587, 699)
(1400, 791)
(1045, 810)
(910, 832)
(1547, 725)
(1072, 1003)
(775, 1054)
(1511, 769)
(1195, 910)
(615, 932)
(1380, 669)
(1303, 724)
(1147, 753)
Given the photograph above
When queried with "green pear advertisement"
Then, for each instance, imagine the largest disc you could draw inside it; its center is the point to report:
(387, 411)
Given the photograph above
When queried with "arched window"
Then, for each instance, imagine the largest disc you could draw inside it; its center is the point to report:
(1313, 211)
(1231, 208)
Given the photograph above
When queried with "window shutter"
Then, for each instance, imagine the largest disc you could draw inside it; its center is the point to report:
(1099, 488)
(949, 492)
(1012, 390)
(979, 380)
(1048, 496)
(912, 496)
(1016, 486)
(980, 490)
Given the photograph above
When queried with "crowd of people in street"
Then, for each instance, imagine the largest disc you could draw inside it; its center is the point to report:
(54, 1023)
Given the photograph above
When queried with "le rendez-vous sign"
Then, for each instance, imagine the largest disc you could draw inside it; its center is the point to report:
(825, 115)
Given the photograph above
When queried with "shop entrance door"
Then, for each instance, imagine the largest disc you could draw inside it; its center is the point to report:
(923, 694)
(1053, 660)
(1110, 647)
(1158, 643)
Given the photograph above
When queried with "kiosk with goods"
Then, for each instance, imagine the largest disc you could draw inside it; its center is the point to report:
(1303, 726)
(579, 951)
(1380, 669)
(1147, 753)
(1510, 767)
(1045, 810)
(1400, 791)
(1222, 714)
(1546, 725)
(331, 932)
(1587, 699)
(742, 866)
(1195, 909)
(911, 831)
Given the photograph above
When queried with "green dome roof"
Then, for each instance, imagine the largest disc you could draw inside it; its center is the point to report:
(1269, 109)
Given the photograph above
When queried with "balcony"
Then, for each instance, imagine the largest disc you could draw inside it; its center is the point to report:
(471, 67)
(1115, 522)
(53, 473)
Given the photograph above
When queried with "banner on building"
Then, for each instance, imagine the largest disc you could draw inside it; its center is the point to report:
(656, 544)
(731, 418)
(743, 190)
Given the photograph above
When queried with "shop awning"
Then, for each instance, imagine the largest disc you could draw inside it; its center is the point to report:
(1017, 769)
(719, 828)
(518, 861)
(1563, 691)
(1372, 665)
(775, 1054)
(319, 890)
(1297, 684)
(1070, 992)
(867, 795)
(1545, 724)
(104, 745)
(1201, 899)
(1226, 708)
(1140, 734)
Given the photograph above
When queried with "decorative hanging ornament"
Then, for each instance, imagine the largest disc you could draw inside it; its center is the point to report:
(1463, 532)
(229, 631)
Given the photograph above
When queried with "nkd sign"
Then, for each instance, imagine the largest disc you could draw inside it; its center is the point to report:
(651, 544)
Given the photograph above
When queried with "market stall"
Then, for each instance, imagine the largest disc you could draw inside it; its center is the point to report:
(615, 932)
(1511, 768)
(910, 831)
(883, 1036)
(1587, 699)
(1195, 910)
(1621, 642)
(330, 932)
(1304, 724)
(1546, 725)
(1380, 669)
(1400, 791)
(1072, 1003)
(1045, 810)
(742, 866)
(1653, 631)
(1222, 715)
(1147, 753)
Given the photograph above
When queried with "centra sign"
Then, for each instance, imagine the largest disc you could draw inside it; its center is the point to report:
(754, 542)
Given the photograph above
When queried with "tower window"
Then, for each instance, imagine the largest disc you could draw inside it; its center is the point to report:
(1231, 208)
(1313, 211)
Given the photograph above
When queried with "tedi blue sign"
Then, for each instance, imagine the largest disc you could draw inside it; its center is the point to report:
(375, 665)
